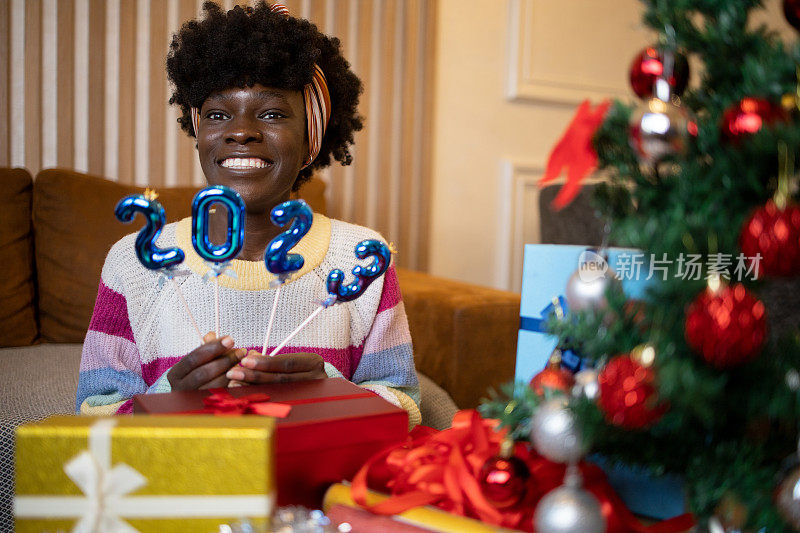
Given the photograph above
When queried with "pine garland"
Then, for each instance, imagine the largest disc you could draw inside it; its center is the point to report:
(726, 431)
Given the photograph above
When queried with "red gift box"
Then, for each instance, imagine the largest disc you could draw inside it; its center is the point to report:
(334, 426)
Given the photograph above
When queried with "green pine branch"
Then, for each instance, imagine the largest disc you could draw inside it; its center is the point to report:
(726, 430)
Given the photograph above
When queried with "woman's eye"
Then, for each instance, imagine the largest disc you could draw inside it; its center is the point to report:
(271, 115)
(215, 115)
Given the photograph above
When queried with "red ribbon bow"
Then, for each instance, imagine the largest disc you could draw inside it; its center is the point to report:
(574, 151)
(441, 468)
(221, 402)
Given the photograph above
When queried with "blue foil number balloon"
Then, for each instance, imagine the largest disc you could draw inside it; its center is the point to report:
(150, 255)
(203, 200)
(277, 257)
(381, 257)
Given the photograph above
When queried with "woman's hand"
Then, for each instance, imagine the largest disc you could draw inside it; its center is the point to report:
(205, 366)
(257, 368)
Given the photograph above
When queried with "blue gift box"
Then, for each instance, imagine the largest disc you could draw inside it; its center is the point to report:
(658, 497)
(546, 270)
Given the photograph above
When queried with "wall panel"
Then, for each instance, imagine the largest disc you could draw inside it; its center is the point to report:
(95, 101)
(5, 86)
(65, 82)
(32, 60)
(84, 87)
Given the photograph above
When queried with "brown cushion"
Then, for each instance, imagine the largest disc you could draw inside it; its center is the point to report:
(313, 192)
(75, 226)
(17, 290)
(464, 335)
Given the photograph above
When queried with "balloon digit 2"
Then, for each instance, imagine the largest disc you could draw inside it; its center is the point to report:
(150, 255)
(277, 257)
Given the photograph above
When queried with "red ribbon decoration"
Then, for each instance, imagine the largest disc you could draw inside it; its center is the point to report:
(221, 402)
(574, 151)
(441, 468)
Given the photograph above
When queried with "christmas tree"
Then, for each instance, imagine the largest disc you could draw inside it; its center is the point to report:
(700, 378)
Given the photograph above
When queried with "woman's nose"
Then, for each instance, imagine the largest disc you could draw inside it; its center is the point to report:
(243, 131)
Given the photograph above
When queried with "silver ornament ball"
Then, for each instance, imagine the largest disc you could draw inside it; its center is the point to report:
(555, 433)
(586, 385)
(787, 499)
(568, 509)
(793, 379)
(658, 129)
(298, 519)
(715, 525)
(588, 291)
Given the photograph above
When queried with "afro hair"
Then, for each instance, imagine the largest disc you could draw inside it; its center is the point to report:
(248, 46)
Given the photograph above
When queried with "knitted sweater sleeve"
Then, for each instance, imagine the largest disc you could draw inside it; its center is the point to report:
(387, 362)
(111, 367)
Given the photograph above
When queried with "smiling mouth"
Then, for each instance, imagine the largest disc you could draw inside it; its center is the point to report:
(244, 162)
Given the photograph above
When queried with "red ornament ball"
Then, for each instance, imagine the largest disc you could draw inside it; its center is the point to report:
(553, 377)
(774, 234)
(791, 10)
(648, 66)
(727, 326)
(748, 116)
(627, 393)
(504, 480)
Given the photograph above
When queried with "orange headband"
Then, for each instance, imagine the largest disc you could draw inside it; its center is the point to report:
(317, 100)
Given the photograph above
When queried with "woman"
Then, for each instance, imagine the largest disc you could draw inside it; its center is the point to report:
(269, 100)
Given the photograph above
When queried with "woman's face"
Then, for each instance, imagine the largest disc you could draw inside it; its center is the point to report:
(253, 140)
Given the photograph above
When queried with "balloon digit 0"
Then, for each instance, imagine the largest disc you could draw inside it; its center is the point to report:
(234, 204)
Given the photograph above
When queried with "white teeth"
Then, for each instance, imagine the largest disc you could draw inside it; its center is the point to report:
(244, 162)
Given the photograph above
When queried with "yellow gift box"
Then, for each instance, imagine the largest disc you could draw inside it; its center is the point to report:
(426, 517)
(144, 473)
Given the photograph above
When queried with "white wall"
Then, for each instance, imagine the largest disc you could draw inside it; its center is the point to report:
(480, 134)
(488, 148)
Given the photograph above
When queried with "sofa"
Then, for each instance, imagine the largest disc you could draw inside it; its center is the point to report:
(55, 231)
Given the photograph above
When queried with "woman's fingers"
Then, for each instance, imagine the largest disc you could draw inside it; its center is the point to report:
(205, 366)
(283, 363)
(220, 382)
(256, 368)
(210, 349)
(201, 376)
(255, 377)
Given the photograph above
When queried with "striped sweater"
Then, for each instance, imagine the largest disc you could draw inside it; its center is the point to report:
(139, 329)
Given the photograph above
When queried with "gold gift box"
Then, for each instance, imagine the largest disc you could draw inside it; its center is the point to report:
(148, 473)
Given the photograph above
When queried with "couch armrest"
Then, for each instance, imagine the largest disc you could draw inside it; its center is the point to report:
(465, 336)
